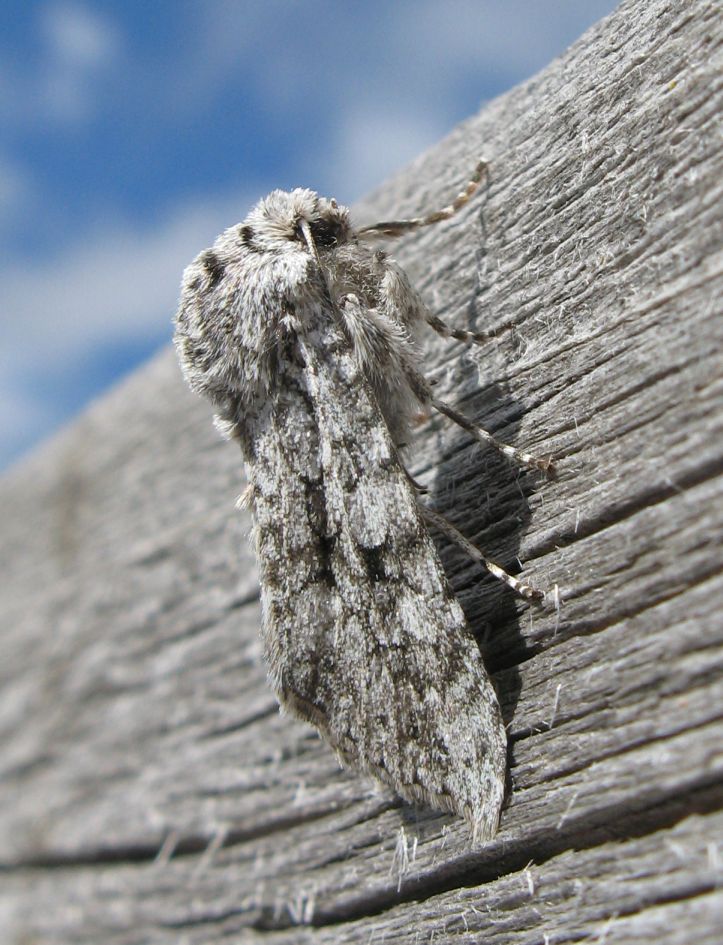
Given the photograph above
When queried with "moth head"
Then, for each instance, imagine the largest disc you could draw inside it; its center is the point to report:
(289, 221)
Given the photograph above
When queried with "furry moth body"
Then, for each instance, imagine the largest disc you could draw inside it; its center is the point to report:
(302, 334)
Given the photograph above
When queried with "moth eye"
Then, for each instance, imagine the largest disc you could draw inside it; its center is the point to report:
(325, 232)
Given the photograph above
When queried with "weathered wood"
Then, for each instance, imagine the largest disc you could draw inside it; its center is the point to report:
(149, 790)
(660, 887)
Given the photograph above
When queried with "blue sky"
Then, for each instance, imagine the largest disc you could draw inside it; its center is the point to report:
(132, 132)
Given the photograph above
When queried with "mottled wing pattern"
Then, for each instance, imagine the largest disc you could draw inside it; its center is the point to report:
(363, 635)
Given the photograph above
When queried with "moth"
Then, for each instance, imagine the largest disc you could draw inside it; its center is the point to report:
(303, 334)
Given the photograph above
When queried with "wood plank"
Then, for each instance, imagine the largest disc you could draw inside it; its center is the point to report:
(657, 887)
(134, 713)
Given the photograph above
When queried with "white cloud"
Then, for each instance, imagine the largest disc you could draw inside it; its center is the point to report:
(119, 283)
(372, 143)
(78, 47)
(218, 42)
(489, 38)
(78, 36)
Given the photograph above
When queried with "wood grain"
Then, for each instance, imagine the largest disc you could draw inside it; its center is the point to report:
(149, 790)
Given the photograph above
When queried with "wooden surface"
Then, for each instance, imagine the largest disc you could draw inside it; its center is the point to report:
(151, 793)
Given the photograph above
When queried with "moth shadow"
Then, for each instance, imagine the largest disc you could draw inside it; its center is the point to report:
(486, 497)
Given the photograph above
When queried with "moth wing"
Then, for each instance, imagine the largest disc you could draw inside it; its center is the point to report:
(363, 636)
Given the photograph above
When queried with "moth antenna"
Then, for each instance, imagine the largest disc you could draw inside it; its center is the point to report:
(399, 227)
(310, 242)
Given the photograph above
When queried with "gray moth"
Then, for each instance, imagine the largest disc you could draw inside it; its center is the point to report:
(303, 334)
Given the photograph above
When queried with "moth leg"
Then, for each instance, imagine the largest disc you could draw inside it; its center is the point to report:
(423, 391)
(417, 486)
(441, 523)
(246, 499)
(398, 227)
(458, 334)
(521, 457)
